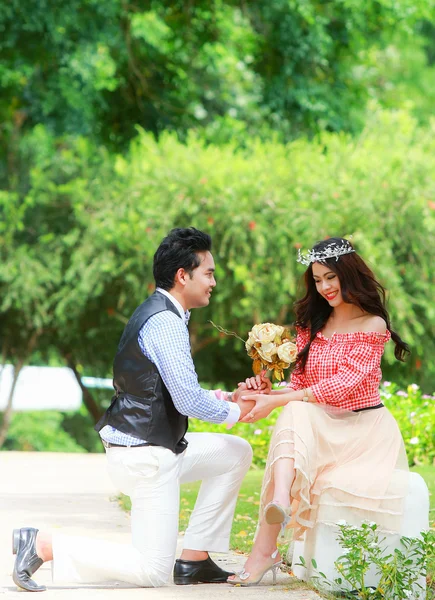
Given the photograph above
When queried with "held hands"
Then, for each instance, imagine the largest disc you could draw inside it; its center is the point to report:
(261, 405)
(248, 396)
(244, 405)
(252, 396)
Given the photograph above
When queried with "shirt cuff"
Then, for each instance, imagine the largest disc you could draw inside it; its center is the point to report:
(233, 415)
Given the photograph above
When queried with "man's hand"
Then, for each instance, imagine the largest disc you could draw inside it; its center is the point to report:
(263, 406)
(244, 405)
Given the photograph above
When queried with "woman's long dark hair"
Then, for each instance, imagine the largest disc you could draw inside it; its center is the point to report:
(358, 286)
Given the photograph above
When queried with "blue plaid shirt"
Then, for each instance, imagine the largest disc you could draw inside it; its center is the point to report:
(164, 340)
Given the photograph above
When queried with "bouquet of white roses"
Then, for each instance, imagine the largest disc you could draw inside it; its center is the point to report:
(271, 348)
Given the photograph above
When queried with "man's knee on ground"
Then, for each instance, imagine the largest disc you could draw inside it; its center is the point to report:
(153, 576)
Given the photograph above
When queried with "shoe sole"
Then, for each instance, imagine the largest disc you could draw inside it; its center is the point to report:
(189, 581)
(274, 515)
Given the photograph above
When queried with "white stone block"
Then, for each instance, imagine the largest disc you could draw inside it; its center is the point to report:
(321, 543)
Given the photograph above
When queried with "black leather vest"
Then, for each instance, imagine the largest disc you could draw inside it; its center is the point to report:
(142, 405)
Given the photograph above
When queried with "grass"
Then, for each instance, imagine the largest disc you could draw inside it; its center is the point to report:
(428, 474)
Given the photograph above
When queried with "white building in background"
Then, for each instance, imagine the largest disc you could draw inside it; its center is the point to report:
(45, 388)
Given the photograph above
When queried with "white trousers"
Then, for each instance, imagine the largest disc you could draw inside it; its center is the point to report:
(151, 476)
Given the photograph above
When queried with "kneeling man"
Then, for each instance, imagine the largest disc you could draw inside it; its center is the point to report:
(148, 450)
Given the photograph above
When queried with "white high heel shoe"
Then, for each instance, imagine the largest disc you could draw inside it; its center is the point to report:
(242, 578)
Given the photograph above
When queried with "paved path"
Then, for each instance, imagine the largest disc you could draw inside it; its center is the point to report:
(72, 493)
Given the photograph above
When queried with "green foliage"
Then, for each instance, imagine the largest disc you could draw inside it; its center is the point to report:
(39, 431)
(80, 427)
(400, 75)
(39, 224)
(83, 231)
(399, 571)
(315, 57)
(415, 415)
(53, 431)
(260, 204)
(100, 69)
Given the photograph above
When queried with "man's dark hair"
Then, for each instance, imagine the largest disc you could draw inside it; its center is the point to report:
(179, 251)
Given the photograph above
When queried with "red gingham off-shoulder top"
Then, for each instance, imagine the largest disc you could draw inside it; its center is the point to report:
(343, 370)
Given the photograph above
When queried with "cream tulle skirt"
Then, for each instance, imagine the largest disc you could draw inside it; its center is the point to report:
(348, 466)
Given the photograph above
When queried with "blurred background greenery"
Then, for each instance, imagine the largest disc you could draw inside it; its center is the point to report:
(269, 124)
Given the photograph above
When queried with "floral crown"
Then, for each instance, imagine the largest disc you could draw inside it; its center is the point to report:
(333, 250)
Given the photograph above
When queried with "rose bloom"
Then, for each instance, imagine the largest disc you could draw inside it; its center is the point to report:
(287, 352)
(254, 332)
(250, 341)
(267, 351)
(267, 332)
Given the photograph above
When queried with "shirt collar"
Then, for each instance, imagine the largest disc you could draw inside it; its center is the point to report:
(184, 315)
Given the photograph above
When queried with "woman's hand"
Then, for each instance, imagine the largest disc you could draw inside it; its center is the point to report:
(260, 383)
(264, 405)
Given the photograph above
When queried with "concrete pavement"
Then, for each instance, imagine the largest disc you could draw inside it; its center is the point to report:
(72, 493)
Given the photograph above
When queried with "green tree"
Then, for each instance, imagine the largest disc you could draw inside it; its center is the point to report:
(40, 224)
(260, 204)
(25, 304)
(314, 56)
(100, 69)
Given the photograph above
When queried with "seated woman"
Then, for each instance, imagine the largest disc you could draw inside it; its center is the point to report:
(335, 448)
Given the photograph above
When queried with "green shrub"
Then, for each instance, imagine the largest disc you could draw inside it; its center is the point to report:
(41, 431)
(399, 571)
(415, 414)
(260, 204)
(83, 229)
(80, 427)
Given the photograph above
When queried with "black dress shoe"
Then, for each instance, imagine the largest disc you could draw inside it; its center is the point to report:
(188, 572)
(27, 561)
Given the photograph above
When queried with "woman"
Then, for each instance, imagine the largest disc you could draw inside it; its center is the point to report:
(335, 449)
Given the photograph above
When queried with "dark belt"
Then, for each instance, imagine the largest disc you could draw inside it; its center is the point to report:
(110, 445)
(369, 407)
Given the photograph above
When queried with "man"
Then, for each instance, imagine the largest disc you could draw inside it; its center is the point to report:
(148, 451)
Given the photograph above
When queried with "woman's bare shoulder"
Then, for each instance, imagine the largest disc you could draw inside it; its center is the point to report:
(374, 323)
